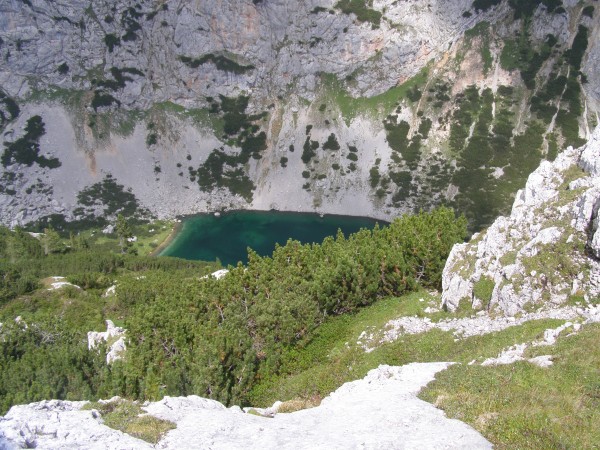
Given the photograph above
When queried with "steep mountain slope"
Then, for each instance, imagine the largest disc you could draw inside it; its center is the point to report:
(357, 107)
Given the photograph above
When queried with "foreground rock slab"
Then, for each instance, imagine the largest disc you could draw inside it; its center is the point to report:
(380, 411)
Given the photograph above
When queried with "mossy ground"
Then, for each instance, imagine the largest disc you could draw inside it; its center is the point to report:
(334, 357)
(514, 406)
(128, 416)
(376, 107)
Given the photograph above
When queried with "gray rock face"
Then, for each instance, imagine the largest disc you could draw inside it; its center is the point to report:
(285, 42)
(379, 411)
(477, 325)
(165, 65)
(55, 424)
(538, 253)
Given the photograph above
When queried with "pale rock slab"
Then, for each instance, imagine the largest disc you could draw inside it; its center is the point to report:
(380, 411)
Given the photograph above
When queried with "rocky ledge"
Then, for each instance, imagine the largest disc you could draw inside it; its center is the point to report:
(379, 411)
(547, 250)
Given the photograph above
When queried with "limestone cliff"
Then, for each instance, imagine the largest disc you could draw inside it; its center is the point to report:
(260, 47)
(160, 108)
(546, 251)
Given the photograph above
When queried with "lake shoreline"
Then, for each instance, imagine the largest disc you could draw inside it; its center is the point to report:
(223, 213)
(170, 238)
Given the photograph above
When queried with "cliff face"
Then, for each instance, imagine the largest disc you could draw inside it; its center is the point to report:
(545, 252)
(259, 47)
(305, 105)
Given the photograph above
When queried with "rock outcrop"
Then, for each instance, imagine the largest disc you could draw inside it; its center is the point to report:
(113, 336)
(379, 411)
(546, 251)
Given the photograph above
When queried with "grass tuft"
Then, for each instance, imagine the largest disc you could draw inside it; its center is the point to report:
(128, 417)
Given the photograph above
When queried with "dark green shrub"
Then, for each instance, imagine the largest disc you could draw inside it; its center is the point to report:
(580, 43)
(309, 150)
(100, 99)
(63, 69)
(484, 5)
(331, 143)
(25, 150)
(374, 176)
(111, 41)
(151, 139)
(221, 63)
(361, 10)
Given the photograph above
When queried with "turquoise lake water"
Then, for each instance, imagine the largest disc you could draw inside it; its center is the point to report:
(207, 237)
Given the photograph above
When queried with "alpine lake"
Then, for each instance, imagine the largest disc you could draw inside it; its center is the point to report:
(227, 236)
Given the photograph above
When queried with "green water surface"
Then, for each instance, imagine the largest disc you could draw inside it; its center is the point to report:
(207, 237)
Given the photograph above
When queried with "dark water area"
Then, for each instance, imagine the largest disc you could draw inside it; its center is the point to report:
(207, 237)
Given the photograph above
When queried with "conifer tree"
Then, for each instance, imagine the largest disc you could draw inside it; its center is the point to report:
(52, 242)
(124, 232)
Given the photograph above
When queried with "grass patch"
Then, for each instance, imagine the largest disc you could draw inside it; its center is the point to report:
(333, 357)
(483, 290)
(375, 107)
(523, 406)
(201, 117)
(149, 237)
(128, 417)
(298, 404)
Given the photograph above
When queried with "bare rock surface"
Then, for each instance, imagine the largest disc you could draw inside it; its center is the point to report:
(379, 411)
(276, 42)
(480, 324)
(515, 353)
(546, 251)
(56, 424)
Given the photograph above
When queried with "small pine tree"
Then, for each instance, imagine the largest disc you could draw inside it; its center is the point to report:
(52, 242)
(124, 232)
(78, 242)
